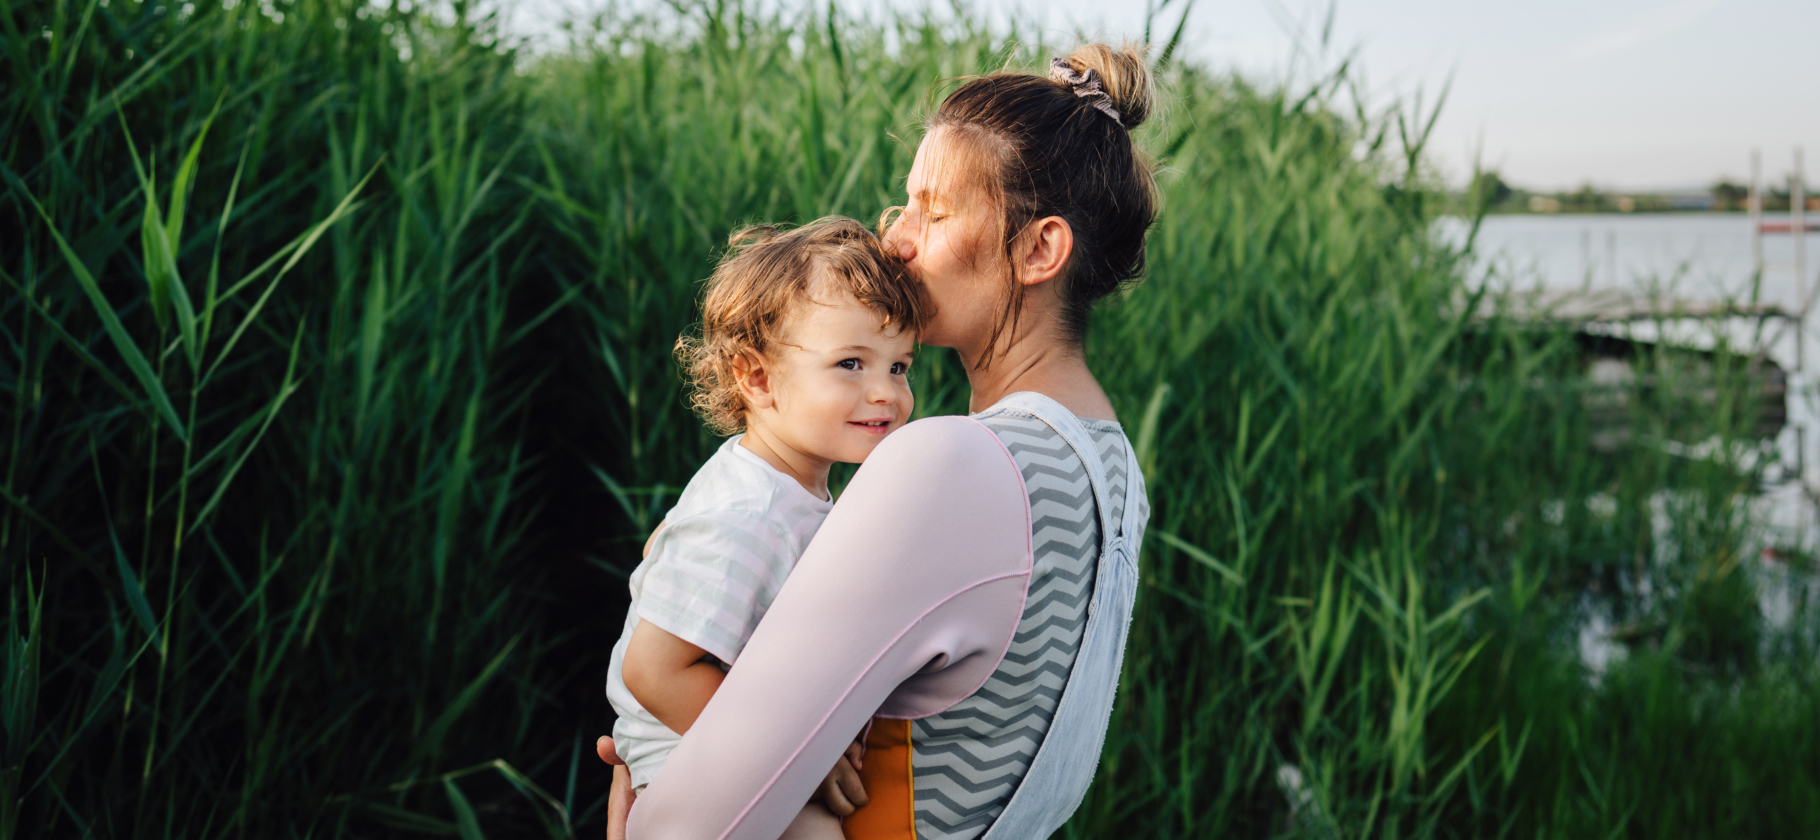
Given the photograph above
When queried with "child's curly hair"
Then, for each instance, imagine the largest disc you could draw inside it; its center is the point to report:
(766, 273)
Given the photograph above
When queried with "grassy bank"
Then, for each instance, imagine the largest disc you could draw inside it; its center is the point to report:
(338, 396)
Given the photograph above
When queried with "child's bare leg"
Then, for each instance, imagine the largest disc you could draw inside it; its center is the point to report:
(814, 822)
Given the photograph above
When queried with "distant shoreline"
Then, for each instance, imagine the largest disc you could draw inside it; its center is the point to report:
(1490, 191)
(1526, 212)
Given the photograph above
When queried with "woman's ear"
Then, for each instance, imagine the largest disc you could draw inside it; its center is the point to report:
(1047, 243)
(754, 378)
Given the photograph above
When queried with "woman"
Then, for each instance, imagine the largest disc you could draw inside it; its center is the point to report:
(974, 584)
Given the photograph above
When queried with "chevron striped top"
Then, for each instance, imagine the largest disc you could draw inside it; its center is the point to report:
(967, 761)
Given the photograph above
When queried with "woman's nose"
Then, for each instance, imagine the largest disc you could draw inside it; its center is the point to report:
(903, 246)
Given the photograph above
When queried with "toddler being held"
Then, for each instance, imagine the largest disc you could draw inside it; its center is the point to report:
(805, 346)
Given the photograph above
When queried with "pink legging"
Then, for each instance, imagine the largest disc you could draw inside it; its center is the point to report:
(903, 605)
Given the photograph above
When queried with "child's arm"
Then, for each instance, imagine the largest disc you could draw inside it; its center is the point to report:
(674, 680)
(671, 678)
(646, 552)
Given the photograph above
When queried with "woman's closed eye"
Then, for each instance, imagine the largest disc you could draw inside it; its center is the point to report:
(916, 214)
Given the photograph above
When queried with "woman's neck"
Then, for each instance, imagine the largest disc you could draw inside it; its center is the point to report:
(1043, 363)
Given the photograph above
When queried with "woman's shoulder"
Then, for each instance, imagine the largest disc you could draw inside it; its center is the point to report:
(1030, 409)
(1027, 422)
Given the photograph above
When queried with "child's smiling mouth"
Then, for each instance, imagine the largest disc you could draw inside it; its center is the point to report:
(872, 427)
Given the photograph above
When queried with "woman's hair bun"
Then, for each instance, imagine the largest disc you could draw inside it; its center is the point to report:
(1123, 75)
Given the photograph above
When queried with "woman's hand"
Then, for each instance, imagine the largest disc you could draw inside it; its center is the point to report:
(841, 792)
(619, 797)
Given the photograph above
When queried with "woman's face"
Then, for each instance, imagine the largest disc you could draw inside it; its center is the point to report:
(947, 236)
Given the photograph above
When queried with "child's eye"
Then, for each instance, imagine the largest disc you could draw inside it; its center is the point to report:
(847, 364)
(899, 369)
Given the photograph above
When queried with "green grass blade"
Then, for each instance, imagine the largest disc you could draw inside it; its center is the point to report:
(304, 243)
(463, 702)
(465, 821)
(158, 253)
(135, 596)
(1175, 40)
(186, 174)
(205, 329)
(409, 821)
(271, 413)
(1145, 447)
(70, 341)
(135, 360)
(372, 334)
(173, 238)
(1202, 557)
(530, 790)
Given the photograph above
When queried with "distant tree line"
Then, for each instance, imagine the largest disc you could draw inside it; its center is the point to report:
(1489, 191)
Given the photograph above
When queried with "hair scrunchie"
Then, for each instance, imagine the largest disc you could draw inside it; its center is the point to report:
(1086, 86)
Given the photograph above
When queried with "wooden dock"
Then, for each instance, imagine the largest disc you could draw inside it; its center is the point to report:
(1620, 366)
(1616, 306)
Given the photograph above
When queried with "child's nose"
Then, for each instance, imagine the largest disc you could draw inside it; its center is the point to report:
(882, 391)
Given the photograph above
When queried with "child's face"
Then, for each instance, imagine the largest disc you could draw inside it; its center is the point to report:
(840, 384)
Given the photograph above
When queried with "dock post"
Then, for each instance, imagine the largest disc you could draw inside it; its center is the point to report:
(1611, 257)
(1755, 204)
(1797, 217)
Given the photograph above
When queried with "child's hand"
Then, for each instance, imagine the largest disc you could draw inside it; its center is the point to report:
(842, 792)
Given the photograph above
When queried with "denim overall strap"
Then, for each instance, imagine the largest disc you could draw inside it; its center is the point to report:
(1065, 762)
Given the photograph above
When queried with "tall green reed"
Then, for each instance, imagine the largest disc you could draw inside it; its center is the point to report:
(266, 416)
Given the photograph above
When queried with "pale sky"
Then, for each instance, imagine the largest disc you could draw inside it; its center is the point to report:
(1553, 93)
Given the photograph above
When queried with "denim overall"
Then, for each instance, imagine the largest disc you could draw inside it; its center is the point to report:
(1065, 762)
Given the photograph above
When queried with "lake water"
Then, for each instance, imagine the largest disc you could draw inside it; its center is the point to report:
(1694, 257)
(1700, 256)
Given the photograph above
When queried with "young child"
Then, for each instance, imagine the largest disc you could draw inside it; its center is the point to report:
(805, 344)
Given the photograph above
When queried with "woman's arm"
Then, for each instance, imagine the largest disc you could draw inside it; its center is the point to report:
(903, 605)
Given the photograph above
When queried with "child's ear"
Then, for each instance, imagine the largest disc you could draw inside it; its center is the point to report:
(754, 381)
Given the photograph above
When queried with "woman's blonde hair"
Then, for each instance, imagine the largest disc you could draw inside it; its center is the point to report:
(767, 273)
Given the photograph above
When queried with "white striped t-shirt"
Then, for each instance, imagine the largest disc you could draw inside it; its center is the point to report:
(716, 565)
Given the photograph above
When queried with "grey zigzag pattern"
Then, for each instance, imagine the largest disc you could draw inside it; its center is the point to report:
(968, 760)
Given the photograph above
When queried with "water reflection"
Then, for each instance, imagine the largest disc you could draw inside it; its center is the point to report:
(1692, 257)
